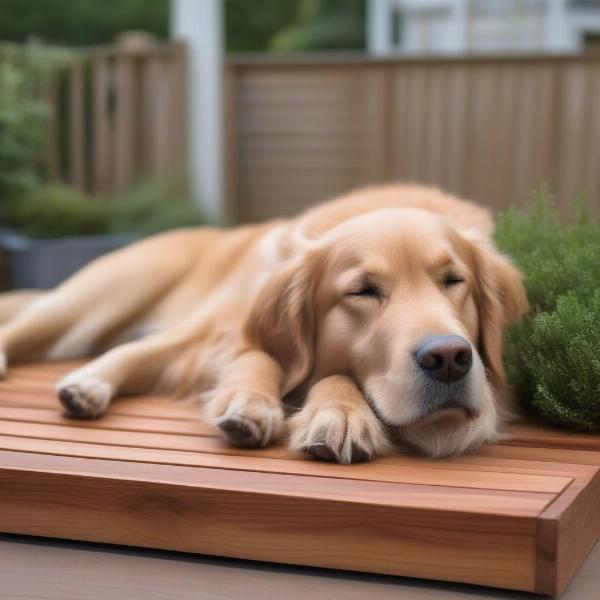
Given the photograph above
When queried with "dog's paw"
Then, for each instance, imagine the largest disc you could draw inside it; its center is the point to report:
(338, 433)
(247, 419)
(84, 399)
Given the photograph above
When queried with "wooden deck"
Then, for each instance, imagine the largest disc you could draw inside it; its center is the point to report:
(520, 515)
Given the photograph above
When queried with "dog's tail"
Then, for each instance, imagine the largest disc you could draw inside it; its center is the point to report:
(12, 303)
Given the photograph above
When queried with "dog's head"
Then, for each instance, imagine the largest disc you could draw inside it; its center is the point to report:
(412, 309)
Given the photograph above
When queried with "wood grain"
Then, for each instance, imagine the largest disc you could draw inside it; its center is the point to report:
(261, 526)
(520, 515)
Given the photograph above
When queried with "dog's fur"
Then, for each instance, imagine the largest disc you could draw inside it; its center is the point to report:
(324, 310)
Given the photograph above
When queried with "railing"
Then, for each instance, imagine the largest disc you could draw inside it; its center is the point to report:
(491, 129)
(119, 115)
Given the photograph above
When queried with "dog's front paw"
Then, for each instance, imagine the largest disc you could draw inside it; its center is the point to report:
(247, 419)
(338, 433)
(84, 399)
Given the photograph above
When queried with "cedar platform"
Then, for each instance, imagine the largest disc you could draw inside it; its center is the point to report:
(521, 515)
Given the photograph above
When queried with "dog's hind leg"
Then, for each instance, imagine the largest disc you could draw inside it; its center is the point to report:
(138, 366)
(109, 292)
(13, 302)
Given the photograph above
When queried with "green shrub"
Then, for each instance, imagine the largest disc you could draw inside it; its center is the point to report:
(552, 356)
(24, 113)
(152, 207)
(56, 210)
(21, 132)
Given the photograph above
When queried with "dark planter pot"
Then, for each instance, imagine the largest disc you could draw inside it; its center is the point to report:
(43, 264)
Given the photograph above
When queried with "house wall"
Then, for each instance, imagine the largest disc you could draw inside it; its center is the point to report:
(479, 26)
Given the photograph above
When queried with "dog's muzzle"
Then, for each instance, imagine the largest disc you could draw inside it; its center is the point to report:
(444, 362)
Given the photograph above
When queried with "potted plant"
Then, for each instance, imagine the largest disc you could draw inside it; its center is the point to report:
(53, 232)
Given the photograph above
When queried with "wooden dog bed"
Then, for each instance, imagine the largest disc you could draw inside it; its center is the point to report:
(522, 514)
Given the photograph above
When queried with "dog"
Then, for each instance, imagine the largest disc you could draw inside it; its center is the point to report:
(375, 319)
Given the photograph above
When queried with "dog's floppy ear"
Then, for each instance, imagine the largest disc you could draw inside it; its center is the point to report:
(501, 300)
(281, 321)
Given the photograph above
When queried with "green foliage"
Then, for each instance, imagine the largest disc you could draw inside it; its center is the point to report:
(81, 22)
(56, 210)
(552, 356)
(294, 25)
(152, 207)
(24, 112)
(250, 26)
(324, 25)
(280, 25)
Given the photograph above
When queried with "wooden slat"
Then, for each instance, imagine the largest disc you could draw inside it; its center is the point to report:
(474, 479)
(125, 112)
(52, 148)
(54, 416)
(380, 493)
(102, 127)
(531, 435)
(478, 462)
(178, 106)
(135, 439)
(149, 98)
(230, 150)
(155, 408)
(582, 457)
(77, 162)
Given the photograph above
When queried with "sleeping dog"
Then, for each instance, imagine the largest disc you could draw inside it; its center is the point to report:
(378, 316)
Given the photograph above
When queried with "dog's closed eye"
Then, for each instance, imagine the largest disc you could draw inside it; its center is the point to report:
(452, 279)
(365, 287)
(366, 290)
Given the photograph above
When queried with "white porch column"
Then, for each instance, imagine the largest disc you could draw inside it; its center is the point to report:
(379, 27)
(558, 31)
(199, 24)
(458, 30)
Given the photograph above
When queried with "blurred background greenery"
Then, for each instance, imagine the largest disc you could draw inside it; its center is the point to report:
(268, 25)
(34, 205)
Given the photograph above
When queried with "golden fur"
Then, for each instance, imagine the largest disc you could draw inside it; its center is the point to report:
(242, 318)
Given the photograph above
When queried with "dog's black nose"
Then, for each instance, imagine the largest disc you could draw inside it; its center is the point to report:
(445, 357)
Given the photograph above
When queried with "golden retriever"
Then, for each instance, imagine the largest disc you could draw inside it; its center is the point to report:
(377, 317)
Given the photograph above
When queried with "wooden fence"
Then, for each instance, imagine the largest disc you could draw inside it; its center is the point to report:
(119, 115)
(302, 130)
(491, 129)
